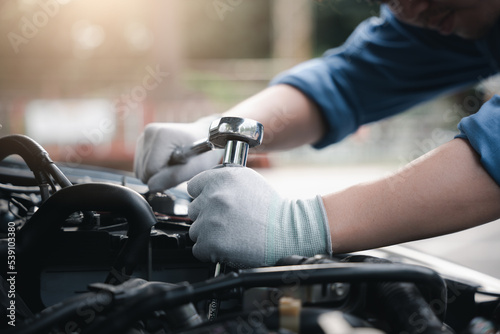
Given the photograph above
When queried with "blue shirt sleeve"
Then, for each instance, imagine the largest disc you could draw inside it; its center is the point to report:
(385, 67)
(482, 130)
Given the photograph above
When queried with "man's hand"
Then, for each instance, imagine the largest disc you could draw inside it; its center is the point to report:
(155, 146)
(240, 220)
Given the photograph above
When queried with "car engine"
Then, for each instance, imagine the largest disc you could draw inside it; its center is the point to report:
(90, 250)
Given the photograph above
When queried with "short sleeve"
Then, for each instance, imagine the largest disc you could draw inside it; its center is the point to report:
(385, 67)
(482, 130)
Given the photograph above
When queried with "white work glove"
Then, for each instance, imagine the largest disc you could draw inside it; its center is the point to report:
(156, 144)
(240, 220)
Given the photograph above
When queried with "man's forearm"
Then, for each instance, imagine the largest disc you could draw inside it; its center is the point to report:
(445, 191)
(290, 119)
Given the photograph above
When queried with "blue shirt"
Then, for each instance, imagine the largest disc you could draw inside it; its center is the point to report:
(386, 67)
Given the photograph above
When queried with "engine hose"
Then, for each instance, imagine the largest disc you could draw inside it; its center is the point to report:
(56, 173)
(404, 306)
(180, 317)
(25, 147)
(33, 154)
(36, 158)
(30, 152)
(84, 309)
(41, 230)
(155, 297)
(402, 303)
(406, 309)
(83, 306)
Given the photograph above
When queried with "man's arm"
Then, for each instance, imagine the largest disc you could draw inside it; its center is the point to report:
(444, 191)
(290, 119)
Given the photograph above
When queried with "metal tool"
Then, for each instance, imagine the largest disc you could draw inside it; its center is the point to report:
(181, 155)
(237, 135)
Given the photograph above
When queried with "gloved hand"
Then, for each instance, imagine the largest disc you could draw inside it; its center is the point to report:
(156, 144)
(239, 219)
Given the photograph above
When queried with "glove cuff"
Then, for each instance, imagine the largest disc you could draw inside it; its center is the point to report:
(328, 236)
(297, 227)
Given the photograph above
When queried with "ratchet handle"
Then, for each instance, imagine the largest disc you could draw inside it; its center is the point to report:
(181, 155)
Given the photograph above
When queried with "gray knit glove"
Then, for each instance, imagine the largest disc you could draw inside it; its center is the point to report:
(155, 145)
(240, 220)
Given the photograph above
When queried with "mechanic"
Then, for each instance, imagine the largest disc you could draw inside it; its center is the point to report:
(415, 51)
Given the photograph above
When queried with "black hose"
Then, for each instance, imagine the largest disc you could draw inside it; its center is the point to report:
(41, 230)
(406, 310)
(138, 302)
(403, 305)
(84, 309)
(39, 163)
(84, 306)
(129, 295)
(31, 152)
(35, 156)
(155, 297)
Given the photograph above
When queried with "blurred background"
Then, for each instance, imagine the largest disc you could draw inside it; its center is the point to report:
(84, 77)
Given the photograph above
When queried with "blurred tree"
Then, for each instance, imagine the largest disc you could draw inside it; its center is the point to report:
(336, 19)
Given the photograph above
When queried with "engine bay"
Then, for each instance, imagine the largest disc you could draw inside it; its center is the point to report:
(89, 250)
